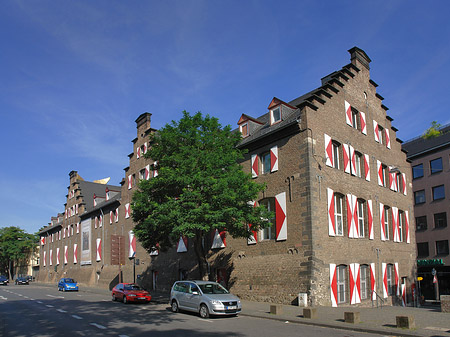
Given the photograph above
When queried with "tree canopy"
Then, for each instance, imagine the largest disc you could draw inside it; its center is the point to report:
(432, 131)
(200, 187)
(15, 246)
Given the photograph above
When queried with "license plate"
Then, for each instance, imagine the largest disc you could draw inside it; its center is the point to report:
(141, 298)
(231, 307)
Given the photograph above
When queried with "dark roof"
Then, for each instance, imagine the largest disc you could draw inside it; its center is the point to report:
(420, 146)
(88, 189)
(115, 199)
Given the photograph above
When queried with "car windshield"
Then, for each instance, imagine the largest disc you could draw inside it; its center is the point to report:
(132, 287)
(69, 280)
(212, 288)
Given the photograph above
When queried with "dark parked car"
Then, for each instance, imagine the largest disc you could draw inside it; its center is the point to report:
(4, 280)
(21, 280)
(130, 292)
(66, 284)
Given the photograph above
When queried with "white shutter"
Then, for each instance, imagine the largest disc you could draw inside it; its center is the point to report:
(281, 216)
(274, 159)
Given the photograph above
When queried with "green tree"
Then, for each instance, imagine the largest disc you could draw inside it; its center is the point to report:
(200, 187)
(16, 247)
(432, 131)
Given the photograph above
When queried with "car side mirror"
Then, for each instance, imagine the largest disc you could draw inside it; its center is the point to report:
(195, 292)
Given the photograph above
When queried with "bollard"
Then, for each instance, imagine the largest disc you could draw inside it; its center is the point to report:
(276, 309)
(310, 313)
(352, 317)
(406, 322)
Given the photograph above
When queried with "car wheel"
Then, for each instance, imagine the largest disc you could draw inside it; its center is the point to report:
(64, 289)
(174, 306)
(114, 298)
(125, 299)
(204, 312)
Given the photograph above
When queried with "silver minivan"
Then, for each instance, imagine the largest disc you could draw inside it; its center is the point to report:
(205, 297)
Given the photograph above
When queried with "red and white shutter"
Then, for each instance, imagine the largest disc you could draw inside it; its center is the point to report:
(274, 159)
(404, 183)
(385, 284)
(350, 218)
(380, 173)
(255, 165)
(145, 147)
(370, 219)
(78, 230)
(328, 151)
(155, 171)
(75, 253)
(64, 233)
(333, 285)
(391, 179)
(367, 167)
(355, 216)
(403, 295)
(100, 220)
(407, 226)
(373, 281)
(132, 247)
(348, 113)
(253, 238)
(65, 254)
(383, 233)
(182, 244)
(388, 139)
(281, 216)
(376, 132)
(352, 160)
(99, 249)
(219, 240)
(331, 215)
(57, 256)
(397, 279)
(138, 153)
(130, 182)
(96, 222)
(51, 257)
(395, 229)
(76, 209)
(127, 210)
(363, 122)
(116, 215)
(346, 157)
(147, 172)
(355, 283)
(45, 257)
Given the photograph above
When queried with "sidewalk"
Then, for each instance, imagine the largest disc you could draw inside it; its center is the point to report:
(429, 320)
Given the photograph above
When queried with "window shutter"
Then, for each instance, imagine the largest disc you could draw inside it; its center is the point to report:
(397, 279)
(375, 132)
(383, 234)
(370, 219)
(333, 285)
(45, 257)
(407, 226)
(385, 284)
(130, 182)
(388, 139)
(281, 217)
(99, 249)
(253, 238)
(111, 217)
(147, 172)
(355, 283)
(403, 295)
(65, 255)
(348, 113)
(352, 160)
(132, 247)
(355, 217)
(274, 159)
(127, 210)
(138, 152)
(255, 165)
(155, 171)
(331, 215)
(380, 173)
(145, 147)
(78, 230)
(367, 167)
(395, 230)
(373, 281)
(51, 257)
(391, 179)
(116, 216)
(328, 151)
(57, 256)
(363, 122)
(182, 245)
(350, 218)
(404, 183)
(75, 253)
(96, 222)
(100, 220)
(346, 158)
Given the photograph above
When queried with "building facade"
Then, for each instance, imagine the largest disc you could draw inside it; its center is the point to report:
(337, 181)
(430, 161)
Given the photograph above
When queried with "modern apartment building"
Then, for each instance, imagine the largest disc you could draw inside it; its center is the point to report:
(430, 161)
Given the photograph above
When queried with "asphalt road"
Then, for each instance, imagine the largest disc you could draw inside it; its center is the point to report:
(42, 311)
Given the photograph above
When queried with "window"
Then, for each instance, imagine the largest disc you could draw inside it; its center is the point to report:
(385, 173)
(268, 233)
(355, 118)
(419, 197)
(380, 133)
(390, 279)
(335, 147)
(244, 130)
(142, 174)
(399, 182)
(400, 226)
(265, 162)
(436, 165)
(438, 192)
(422, 249)
(421, 223)
(276, 115)
(358, 162)
(440, 220)
(338, 214)
(365, 281)
(442, 247)
(361, 218)
(341, 274)
(417, 171)
(386, 222)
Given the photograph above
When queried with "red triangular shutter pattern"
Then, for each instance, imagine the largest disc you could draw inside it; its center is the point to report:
(370, 219)
(352, 160)
(138, 153)
(367, 167)
(385, 284)
(65, 255)
(127, 210)
(395, 229)
(363, 122)
(57, 256)
(281, 216)
(404, 183)
(380, 173)
(333, 285)
(274, 159)
(397, 279)
(407, 227)
(75, 253)
(348, 113)
(383, 233)
(132, 247)
(255, 165)
(346, 158)
(99, 249)
(355, 283)
(376, 132)
(328, 151)
(147, 172)
(373, 281)
(331, 215)
(388, 138)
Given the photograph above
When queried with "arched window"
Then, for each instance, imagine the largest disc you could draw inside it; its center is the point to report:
(365, 282)
(342, 283)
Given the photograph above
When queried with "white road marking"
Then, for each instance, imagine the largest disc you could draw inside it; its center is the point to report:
(98, 326)
(436, 329)
(61, 310)
(77, 317)
(49, 306)
(39, 302)
(55, 296)
(3, 298)
(123, 336)
(205, 320)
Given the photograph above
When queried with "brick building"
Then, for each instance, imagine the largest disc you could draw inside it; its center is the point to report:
(334, 173)
(431, 187)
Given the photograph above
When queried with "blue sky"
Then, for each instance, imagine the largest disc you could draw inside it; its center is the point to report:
(74, 76)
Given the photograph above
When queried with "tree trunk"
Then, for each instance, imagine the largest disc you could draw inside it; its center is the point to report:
(201, 257)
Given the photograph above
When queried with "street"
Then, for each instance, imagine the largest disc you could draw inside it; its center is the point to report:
(43, 311)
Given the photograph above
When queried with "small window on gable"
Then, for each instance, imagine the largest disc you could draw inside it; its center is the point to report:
(335, 146)
(355, 118)
(244, 130)
(380, 133)
(275, 115)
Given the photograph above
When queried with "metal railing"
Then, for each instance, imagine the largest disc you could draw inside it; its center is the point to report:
(376, 299)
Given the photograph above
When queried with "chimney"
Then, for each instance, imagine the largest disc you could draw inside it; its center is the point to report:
(358, 55)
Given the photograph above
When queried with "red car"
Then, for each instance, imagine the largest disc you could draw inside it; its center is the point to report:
(130, 292)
